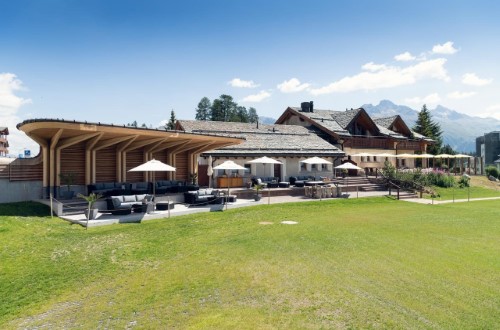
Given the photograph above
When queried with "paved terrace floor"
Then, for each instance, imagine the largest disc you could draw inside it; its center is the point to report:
(182, 209)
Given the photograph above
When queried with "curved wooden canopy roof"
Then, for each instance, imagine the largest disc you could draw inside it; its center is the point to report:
(65, 133)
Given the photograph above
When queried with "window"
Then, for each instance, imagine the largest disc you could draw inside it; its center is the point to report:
(375, 158)
(248, 168)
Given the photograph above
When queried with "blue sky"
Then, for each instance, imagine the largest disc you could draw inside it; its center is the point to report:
(119, 61)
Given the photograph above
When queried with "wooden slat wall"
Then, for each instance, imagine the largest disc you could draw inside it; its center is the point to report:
(4, 171)
(106, 165)
(181, 164)
(135, 158)
(26, 172)
(73, 160)
(162, 157)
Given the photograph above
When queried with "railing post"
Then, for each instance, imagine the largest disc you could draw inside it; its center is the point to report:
(398, 193)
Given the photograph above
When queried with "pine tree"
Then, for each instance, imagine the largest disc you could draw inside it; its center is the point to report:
(252, 115)
(203, 110)
(171, 123)
(430, 129)
(223, 108)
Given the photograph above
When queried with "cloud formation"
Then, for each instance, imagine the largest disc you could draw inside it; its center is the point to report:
(446, 48)
(378, 76)
(492, 111)
(237, 82)
(292, 86)
(256, 98)
(404, 57)
(10, 104)
(431, 99)
(473, 80)
(460, 95)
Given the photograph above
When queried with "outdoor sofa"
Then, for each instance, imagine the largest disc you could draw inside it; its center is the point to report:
(300, 180)
(203, 196)
(173, 186)
(125, 202)
(109, 188)
(138, 188)
(270, 181)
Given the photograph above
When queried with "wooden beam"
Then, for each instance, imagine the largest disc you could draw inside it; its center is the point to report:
(76, 139)
(88, 158)
(107, 143)
(52, 158)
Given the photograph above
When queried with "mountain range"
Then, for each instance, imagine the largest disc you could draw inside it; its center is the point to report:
(459, 130)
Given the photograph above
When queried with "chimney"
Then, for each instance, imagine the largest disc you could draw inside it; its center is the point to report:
(311, 107)
(305, 106)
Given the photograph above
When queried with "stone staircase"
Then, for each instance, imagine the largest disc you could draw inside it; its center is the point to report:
(74, 207)
(360, 183)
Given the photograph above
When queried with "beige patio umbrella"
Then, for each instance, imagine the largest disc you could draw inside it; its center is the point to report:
(153, 166)
(362, 154)
(348, 166)
(265, 160)
(447, 156)
(210, 171)
(316, 160)
(228, 165)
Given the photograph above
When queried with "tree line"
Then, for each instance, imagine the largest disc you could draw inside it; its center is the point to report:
(225, 109)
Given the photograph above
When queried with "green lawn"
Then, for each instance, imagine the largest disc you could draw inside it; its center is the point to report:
(360, 263)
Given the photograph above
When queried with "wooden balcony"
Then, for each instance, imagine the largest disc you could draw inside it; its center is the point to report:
(409, 145)
(368, 142)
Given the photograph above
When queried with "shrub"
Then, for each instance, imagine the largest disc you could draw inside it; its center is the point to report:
(493, 171)
(464, 181)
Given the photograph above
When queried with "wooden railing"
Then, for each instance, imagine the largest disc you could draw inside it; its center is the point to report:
(368, 142)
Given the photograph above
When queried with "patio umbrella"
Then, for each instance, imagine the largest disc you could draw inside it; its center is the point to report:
(448, 156)
(265, 160)
(154, 166)
(362, 154)
(317, 161)
(348, 166)
(228, 165)
(210, 170)
(427, 156)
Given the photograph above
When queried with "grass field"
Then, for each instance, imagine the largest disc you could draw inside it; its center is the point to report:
(363, 263)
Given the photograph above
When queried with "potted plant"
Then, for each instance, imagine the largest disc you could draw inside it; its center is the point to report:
(257, 196)
(91, 212)
(67, 178)
(193, 177)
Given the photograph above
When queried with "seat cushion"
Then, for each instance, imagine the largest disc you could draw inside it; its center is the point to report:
(128, 199)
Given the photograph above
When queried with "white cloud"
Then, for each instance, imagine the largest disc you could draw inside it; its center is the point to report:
(256, 98)
(460, 95)
(387, 77)
(446, 48)
(430, 100)
(473, 80)
(292, 86)
(404, 57)
(237, 82)
(372, 67)
(10, 104)
(492, 111)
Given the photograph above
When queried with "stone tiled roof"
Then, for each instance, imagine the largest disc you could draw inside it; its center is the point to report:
(385, 122)
(264, 139)
(344, 118)
(326, 119)
(388, 132)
